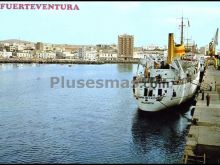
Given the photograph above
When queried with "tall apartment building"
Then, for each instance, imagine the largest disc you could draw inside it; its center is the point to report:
(125, 47)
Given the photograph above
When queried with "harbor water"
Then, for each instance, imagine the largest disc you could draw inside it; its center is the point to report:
(41, 124)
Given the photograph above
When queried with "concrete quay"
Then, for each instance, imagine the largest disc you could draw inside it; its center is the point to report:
(203, 140)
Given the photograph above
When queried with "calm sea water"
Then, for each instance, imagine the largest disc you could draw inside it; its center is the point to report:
(40, 124)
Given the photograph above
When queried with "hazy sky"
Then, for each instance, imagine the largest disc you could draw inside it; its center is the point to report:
(102, 22)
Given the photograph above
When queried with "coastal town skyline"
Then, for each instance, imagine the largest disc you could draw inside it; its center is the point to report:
(101, 22)
(109, 82)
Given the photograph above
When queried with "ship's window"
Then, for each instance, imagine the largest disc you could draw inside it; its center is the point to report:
(150, 92)
(145, 91)
(159, 92)
(174, 94)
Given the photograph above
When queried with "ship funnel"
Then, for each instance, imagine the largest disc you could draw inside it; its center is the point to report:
(170, 48)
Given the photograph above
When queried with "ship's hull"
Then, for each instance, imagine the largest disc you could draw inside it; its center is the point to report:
(184, 92)
(162, 105)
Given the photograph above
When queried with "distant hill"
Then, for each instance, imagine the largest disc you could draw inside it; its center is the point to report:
(16, 41)
(10, 41)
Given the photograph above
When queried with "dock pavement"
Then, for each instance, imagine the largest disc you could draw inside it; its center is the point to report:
(203, 140)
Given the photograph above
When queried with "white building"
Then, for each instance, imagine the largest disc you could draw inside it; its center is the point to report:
(107, 55)
(138, 55)
(90, 55)
(12, 48)
(75, 55)
(50, 55)
(16, 47)
(6, 44)
(25, 54)
(20, 47)
(154, 47)
(151, 47)
(29, 46)
(143, 54)
(5, 54)
(68, 55)
(48, 47)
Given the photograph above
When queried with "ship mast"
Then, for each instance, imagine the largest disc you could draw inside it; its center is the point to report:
(181, 41)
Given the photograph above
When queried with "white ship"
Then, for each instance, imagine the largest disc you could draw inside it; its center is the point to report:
(162, 84)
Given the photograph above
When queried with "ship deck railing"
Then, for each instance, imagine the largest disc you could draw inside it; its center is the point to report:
(162, 80)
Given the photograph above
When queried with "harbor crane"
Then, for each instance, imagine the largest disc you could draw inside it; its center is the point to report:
(212, 51)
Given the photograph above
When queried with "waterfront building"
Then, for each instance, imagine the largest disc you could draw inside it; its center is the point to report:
(68, 55)
(59, 55)
(5, 54)
(25, 54)
(108, 55)
(125, 47)
(46, 55)
(75, 55)
(90, 55)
